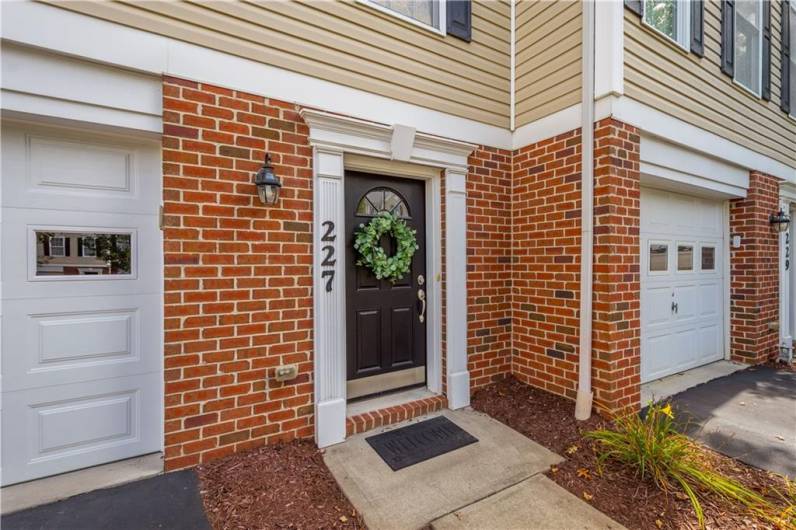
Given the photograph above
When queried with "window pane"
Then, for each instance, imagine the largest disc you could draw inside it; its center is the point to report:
(747, 44)
(82, 253)
(662, 15)
(382, 200)
(659, 257)
(708, 258)
(425, 11)
(685, 257)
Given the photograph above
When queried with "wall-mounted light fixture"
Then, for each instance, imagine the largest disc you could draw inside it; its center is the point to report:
(779, 221)
(268, 184)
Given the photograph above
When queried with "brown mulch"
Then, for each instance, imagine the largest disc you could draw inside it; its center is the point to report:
(550, 421)
(276, 486)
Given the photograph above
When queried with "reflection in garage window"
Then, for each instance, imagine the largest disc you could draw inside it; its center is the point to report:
(659, 257)
(82, 253)
(685, 257)
(708, 258)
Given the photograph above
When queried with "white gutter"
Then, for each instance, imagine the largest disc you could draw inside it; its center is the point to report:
(585, 395)
(513, 65)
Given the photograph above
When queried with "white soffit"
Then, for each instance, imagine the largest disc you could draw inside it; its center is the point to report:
(663, 161)
(36, 82)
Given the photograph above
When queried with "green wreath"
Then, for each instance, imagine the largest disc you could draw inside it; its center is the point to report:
(367, 242)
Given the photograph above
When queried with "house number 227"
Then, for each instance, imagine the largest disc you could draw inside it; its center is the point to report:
(327, 251)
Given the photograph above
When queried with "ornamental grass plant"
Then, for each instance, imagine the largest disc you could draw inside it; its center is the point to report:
(653, 448)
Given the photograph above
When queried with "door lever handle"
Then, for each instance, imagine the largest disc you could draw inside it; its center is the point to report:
(674, 308)
(421, 295)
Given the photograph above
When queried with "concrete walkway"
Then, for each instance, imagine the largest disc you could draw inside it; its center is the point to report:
(495, 483)
(749, 415)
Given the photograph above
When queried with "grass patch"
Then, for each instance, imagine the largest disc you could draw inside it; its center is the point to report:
(652, 447)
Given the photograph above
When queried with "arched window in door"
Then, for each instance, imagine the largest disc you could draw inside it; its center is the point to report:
(379, 200)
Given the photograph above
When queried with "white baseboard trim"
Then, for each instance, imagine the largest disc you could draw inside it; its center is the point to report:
(330, 419)
(459, 390)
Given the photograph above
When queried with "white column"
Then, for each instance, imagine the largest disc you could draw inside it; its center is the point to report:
(609, 48)
(456, 288)
(329, 297)
(785, 271)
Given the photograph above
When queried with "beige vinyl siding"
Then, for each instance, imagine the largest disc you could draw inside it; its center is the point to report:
(548, 58)
(348, 43)
(663, 76)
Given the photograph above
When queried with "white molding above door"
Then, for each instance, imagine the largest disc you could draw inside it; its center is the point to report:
(332, 137)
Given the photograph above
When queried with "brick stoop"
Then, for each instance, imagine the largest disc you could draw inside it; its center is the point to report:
(390, 415)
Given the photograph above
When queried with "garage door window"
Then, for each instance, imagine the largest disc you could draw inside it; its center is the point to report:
(83, 254)
(685, 257)
(708, 258)
(659, 257)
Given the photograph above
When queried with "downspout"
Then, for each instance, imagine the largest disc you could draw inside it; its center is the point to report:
(513, 65)
(585, 395)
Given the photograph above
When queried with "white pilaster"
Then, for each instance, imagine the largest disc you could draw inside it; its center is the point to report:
(609, 48)
(456, 288)
(329, 297)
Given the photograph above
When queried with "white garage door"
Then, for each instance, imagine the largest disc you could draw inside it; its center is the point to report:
(682, 286)
(81, 300)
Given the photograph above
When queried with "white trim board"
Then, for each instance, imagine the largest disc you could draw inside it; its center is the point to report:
(49, 28)
(70, 33)
(332, 138)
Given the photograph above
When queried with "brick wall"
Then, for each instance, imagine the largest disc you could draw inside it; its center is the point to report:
(754, 269)
(488, 265)
(616, 340)
(546, 263)
(238, 274)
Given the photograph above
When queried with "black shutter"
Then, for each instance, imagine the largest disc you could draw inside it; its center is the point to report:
(80, 246)
(728, 37)
(46, 244)
(765, 87)
(635, 6)
(67, 241)
(785, 102)
(459, 19)
(698, 27)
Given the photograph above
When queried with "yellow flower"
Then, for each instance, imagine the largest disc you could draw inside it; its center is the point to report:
(668, 410)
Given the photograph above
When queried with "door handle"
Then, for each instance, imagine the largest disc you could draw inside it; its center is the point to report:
(674, 307)
(421, 295)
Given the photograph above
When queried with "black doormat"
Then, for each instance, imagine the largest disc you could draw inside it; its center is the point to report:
(420, 441)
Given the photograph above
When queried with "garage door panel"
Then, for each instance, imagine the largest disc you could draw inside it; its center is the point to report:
(710, 299)
(79, 339)
(52, 430)
(22, 274)
(657, 302)
(686, 297)
(711, 340)
(659, 348)
(72, 170)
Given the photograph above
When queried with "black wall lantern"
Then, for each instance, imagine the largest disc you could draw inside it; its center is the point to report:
(267, 183)
(780, 221)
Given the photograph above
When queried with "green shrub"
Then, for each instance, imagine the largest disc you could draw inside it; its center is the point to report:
(655, 450)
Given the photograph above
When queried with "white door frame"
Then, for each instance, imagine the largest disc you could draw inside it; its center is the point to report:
(331, 137)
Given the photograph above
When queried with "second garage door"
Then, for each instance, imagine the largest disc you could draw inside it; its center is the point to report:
(682, 282)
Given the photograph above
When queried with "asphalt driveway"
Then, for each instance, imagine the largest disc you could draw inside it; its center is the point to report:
(169, 501)
(749, 415)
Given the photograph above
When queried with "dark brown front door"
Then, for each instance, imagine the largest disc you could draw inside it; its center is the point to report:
(385, 338)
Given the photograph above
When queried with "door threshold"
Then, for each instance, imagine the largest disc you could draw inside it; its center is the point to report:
(670, 385)
(383, 401)
(59, 487)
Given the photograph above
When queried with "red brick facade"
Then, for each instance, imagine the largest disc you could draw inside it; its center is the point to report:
(545, 223)
(488, 266)
(238, 298)
(238, 278)
(754, 286)
(616, 339)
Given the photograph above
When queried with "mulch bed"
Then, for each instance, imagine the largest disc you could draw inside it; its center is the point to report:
(550, 421)
(276, 486)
